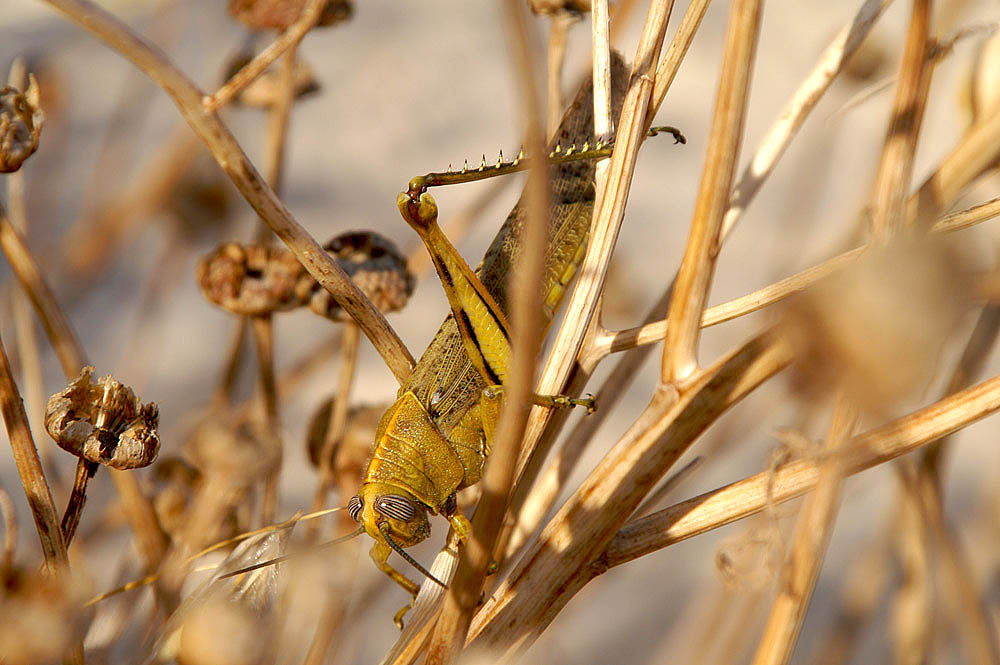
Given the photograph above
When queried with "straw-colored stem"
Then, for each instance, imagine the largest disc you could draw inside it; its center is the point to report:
(799, 106)
(609, 211)
(349, 346)
(9, 532)
(672, 59)
(613, 342)
(137, 507)
(240, 169)
(543, 582)
(759, 492)
(290, 38)
(234, 359)
(36, 489)
(263, 336)
(694, 278)
(892, 182)
(559, 25)
(449, 636)
(812, 534)
(77, 499)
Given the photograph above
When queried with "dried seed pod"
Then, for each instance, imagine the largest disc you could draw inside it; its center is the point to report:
(877, 328)
(279, 14)
(375, 265)
(358, 434)
(176, 483)
(104, 423)
(253, 280)
(21, 120)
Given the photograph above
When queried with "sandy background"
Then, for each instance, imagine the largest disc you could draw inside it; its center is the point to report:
(412, 87)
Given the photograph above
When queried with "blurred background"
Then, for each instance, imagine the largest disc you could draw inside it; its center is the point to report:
(406, 88)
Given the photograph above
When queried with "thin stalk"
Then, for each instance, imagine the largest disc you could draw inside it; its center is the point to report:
(694, 278)
(289, 39)
(449, 635)
(545, 579)
(240, 169)
(812, 534)
(892, 182)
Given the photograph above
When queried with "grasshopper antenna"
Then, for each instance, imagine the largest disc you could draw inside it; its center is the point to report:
(409, 559)
(286, 557)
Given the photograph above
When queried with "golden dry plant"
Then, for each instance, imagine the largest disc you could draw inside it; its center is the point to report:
(809, 474)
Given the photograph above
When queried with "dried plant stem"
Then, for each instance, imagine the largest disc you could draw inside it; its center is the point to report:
(263, 336)
(9, 532)
(609, 211)
(892, 182)
(449, 635)
(971, 618)
(694, 278)
(861, 591)
(289, 39)
(239, 168)
(533, 501)
(36, 489)
(30, 469)
(224, 393)
(549, 574)
(911, 614)
(798, 108)
(751, 495)
(349, 346)
(977, 151)
(77, 499)
(675, 54)
(559, 25)
(613, 342)
(140, 513)
(812, 534)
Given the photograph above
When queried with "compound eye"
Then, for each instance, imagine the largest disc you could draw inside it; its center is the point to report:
(395, 506)
(354, 508)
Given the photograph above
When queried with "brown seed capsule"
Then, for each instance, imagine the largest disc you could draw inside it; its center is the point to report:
(279, 14)
(555, 6)
(175, 484)
(104, 423)
(353, 450)
(253, 280)
(375, 265)
(21, 120)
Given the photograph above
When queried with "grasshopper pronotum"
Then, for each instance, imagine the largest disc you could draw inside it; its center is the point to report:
(435, 439)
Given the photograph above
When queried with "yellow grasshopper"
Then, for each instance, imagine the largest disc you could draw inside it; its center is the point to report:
(435, 439)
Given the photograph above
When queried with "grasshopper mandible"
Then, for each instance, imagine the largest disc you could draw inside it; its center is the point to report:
(435, 439)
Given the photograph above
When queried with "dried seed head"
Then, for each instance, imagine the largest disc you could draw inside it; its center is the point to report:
(252, 280)
(265, 90)
(375, 265)
(21, 120)
(279, 14)
(355, 446)
(175, 484)
(104, 422)
(878, 328)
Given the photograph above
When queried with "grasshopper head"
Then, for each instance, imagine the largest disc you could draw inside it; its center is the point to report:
(390, 514)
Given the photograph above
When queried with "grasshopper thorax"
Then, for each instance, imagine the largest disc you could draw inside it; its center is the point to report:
(390, 514)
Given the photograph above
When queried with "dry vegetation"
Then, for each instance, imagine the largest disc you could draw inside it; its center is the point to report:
(881, 354)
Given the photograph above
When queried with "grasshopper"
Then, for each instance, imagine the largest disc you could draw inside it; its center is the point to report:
(435, 439)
